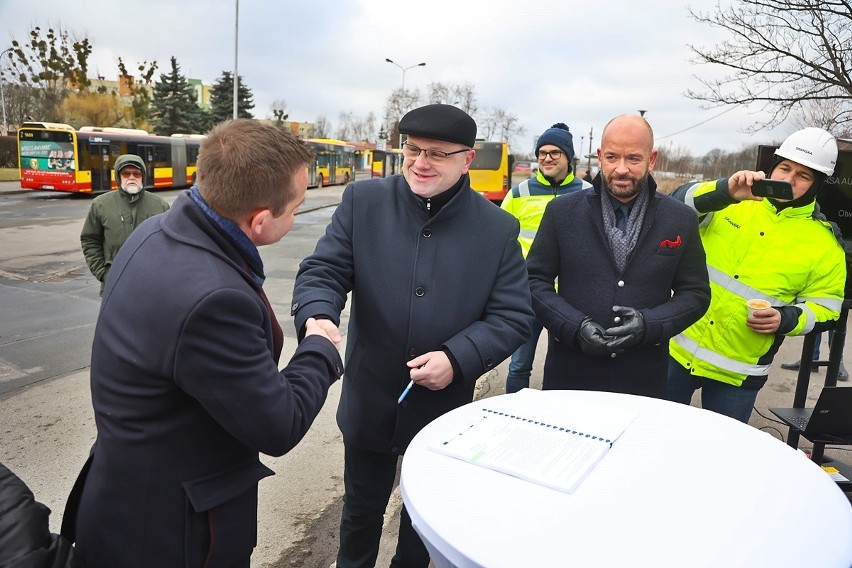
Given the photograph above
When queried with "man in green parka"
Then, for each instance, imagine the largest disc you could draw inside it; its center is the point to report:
(114, 215)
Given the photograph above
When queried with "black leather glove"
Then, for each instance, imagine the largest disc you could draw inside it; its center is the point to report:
(591, 339)
(629, 333)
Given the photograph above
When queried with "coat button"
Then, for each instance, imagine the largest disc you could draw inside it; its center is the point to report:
(412, 352)
(419, 291)
(489, 362)
(427, 233)
(616, 319)
(613, 355)
(621, 283)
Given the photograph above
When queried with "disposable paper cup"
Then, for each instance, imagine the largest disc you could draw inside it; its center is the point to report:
(757, 305)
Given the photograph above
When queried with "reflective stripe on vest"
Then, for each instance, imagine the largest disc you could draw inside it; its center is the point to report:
(746, 292)
(717, 359)
(524, 191)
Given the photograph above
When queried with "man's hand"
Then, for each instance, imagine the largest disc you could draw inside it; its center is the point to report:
(765, 321)
(590, 338)
(739, 185)
(323, 327)
(629, 333)
(432, 370)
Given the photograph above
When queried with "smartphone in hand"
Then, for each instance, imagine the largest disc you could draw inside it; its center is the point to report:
(774, 188)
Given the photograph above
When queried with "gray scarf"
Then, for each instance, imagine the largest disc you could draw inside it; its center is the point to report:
(621, 243)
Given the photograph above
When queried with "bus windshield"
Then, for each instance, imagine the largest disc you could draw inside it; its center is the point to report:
(48, 155)
(489, 171)
(488, 156)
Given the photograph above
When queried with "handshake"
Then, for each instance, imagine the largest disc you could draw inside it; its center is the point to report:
(596, 341)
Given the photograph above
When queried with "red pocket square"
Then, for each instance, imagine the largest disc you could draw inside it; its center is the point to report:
(671, 244)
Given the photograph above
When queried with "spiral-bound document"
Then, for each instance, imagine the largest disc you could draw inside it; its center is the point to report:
(527, 435)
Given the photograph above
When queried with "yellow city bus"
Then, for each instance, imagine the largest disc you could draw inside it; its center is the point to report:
(386, 162)
(335, 162)
(489, 172)
(53, 156)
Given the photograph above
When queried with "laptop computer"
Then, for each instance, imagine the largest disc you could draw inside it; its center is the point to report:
(832, 415)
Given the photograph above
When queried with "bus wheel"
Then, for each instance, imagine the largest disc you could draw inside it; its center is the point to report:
(319, 180)
(346, 178)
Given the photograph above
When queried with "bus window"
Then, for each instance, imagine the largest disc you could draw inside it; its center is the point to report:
(489, 172)
(386, 162)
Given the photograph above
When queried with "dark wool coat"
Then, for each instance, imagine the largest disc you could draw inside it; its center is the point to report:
(186, 392)
(25, 537)
(456, 281)
(665, 278)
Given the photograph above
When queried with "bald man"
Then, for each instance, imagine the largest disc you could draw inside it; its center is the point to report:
(631, 272)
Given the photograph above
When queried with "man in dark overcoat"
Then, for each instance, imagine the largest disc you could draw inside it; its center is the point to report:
(439, 297)
(630, 269)
(185, 381)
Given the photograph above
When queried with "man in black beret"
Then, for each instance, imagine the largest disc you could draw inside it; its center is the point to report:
(439, 297)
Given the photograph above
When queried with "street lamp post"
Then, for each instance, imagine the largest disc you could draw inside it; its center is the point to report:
(3, 95)
(404, 69)
(236, 58)
(589, 157)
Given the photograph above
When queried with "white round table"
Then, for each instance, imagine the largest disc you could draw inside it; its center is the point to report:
(681, 487)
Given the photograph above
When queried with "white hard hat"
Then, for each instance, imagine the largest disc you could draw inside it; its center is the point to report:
(811, 147)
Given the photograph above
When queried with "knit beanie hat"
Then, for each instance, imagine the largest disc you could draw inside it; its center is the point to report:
(558, 136)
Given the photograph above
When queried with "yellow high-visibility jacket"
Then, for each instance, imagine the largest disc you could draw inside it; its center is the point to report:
(787, 257)
(527, 201)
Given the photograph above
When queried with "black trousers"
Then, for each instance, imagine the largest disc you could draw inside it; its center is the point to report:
(368, 479)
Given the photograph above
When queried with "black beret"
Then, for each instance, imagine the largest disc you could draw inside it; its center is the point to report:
(440, 122)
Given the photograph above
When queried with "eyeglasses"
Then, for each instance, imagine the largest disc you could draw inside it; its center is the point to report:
(434, 156)
(130, 173)
(552, 154)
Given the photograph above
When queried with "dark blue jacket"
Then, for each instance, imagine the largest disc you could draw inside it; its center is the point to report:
(455, 281)
(665, 278)
(25, 537)
(186, 391)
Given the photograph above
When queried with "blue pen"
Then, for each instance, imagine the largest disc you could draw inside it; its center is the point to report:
(405, 392)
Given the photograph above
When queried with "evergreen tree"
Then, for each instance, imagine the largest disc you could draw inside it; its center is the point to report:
(173, 106)
(222, 99)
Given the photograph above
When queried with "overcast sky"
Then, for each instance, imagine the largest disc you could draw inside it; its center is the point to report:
(577, 62)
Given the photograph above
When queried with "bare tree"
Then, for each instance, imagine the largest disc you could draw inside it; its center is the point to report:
(438, 93)
(322, 128)
(782, 53)
(140, 91)
(279, 111)
(20, 105)
(51, 64)
(344, 128)
(398, 103)
(462, 96)
(822, 114)
(465, 98)
(369, 127)
(486, 125)
(499, 125)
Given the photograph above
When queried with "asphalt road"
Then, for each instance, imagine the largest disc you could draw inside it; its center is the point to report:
(48, 305)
